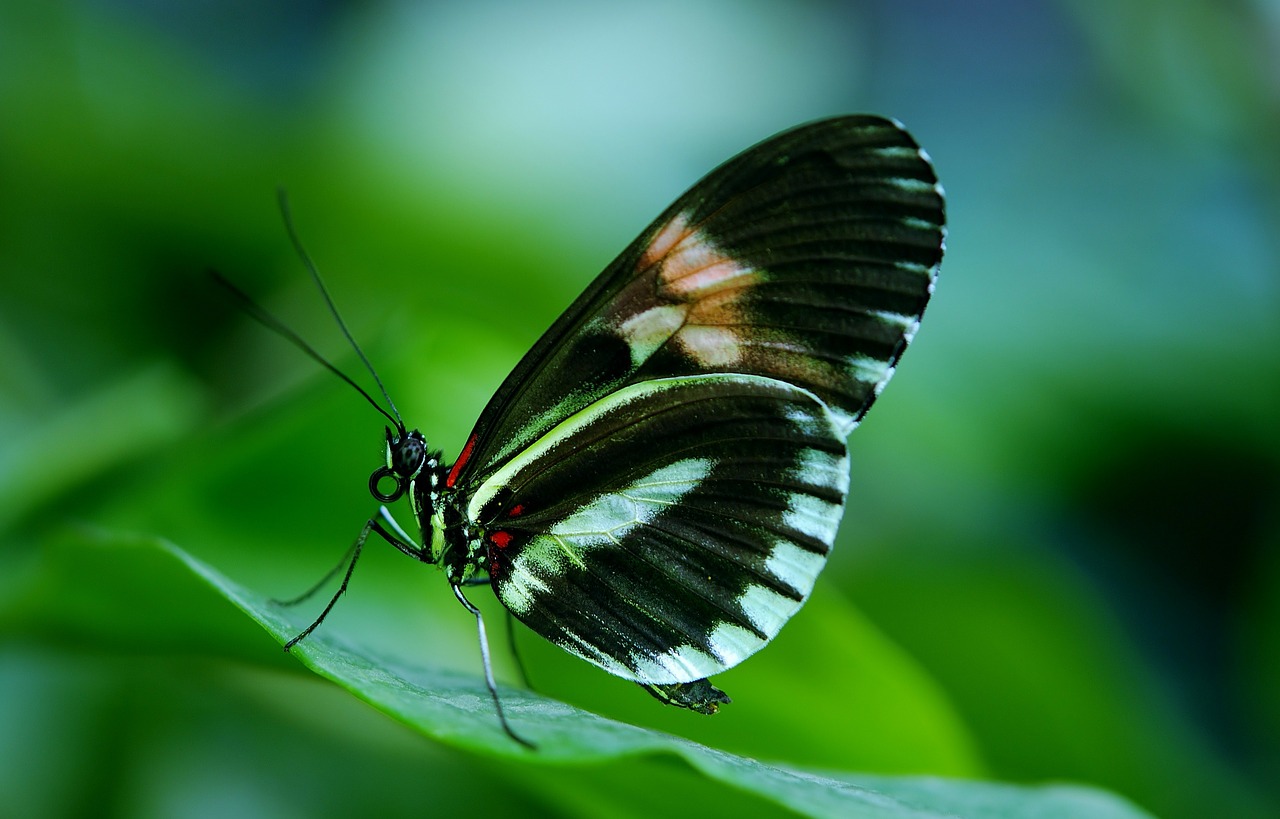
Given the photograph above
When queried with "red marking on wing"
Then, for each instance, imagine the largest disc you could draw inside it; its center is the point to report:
(500, 539)
(458, 464)
(516, 511)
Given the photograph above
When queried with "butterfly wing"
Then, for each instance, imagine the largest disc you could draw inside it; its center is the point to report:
(659, 481)
(808, 258)
(669, 530)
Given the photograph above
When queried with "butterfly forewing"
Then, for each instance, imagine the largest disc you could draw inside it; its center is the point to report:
(667, 531)
(808, 258)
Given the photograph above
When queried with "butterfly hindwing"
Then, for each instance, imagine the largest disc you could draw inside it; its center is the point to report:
(808, 258)
(667, 531)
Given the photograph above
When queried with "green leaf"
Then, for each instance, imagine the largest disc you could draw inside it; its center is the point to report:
(44, 452)
(455, 709)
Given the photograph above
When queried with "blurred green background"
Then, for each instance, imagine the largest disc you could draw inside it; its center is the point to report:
(1059, 561)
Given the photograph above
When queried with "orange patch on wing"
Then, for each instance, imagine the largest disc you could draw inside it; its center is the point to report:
(713, 274)
(712, 346)
(671, 235)
(717, 309)
(713, 329)
(695, 267)
(717, 329)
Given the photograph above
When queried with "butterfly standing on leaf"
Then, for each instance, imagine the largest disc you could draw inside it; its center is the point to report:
(658, 483)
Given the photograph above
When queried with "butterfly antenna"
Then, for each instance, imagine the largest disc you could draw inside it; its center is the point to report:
(274, 324)
(333, 308)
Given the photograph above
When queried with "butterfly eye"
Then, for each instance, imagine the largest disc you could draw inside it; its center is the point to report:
(375, 482)
(408, 454)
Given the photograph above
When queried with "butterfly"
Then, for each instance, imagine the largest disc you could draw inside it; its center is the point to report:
(658, 483)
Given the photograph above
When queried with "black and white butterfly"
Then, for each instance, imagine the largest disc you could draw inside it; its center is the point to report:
(657, 485)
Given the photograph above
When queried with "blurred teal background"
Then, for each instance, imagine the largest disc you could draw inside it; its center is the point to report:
(1059, 561)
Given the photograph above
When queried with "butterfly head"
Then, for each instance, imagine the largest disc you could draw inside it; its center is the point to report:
(406, 458)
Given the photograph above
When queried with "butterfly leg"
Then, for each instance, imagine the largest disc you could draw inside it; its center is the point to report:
(511, 633)
(700, 695)
(488, 668)
(324, 581)
(371, 525)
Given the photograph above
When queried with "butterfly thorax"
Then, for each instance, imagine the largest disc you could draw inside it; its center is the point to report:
(446, 529)
(417, 471)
